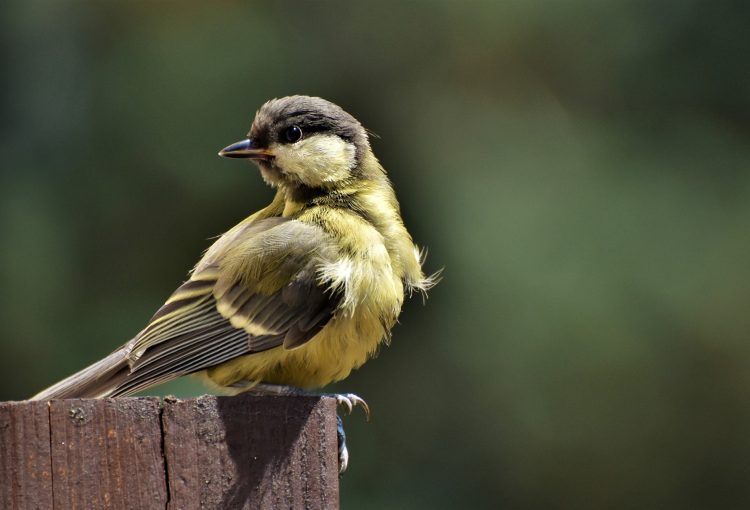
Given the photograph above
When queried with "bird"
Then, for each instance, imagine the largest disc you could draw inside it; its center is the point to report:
(298, 294)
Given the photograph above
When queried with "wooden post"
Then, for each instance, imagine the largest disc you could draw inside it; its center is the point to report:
(211, 452)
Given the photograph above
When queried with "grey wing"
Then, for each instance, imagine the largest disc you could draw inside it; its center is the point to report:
(220, 314)
(196, 336)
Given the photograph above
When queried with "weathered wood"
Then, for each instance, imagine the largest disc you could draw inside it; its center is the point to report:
(107, 453)
(211, 452)
(252, 452)
(25, 470)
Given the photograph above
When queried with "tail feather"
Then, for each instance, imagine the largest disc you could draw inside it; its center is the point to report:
(95, 381)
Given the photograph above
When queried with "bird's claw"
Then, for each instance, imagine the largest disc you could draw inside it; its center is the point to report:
(350, 401)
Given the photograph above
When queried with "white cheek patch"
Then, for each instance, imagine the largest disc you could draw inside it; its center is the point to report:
(316, 160)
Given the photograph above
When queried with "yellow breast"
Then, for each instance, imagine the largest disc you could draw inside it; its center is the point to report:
(372, 298)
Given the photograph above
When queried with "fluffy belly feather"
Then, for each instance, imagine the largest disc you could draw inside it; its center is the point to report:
(343, 345)
(372, 301)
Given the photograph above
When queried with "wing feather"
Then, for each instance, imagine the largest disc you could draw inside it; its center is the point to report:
(211, 319)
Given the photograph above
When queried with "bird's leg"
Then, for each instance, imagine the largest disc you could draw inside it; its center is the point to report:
(268, 389)
(347, 400)
(343, 450)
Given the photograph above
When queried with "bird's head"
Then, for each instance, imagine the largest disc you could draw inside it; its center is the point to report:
(303, 141)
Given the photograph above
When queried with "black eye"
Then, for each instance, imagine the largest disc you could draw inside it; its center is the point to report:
(292, 134)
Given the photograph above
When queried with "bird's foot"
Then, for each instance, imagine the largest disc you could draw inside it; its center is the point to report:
(347, 400)
(350, 401)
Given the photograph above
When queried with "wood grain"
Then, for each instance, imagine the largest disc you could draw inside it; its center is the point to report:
(107, 454)
(25, 470)
(243, 452)
(252, 452)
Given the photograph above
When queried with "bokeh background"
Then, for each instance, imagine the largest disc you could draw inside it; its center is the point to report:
(580, 169)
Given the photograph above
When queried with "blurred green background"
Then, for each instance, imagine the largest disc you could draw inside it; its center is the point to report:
(580, 169)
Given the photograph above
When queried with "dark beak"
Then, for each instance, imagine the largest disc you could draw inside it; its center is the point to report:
(247, 149)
